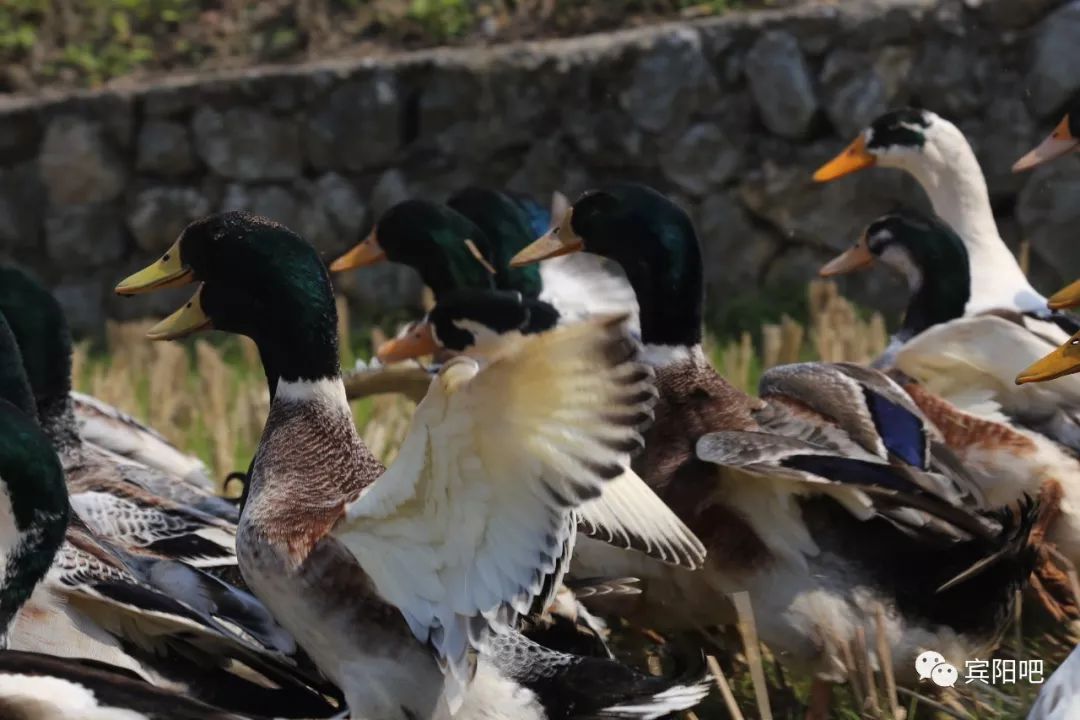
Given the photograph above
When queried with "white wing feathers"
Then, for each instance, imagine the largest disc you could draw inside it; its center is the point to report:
(461, 530)
(630, 514)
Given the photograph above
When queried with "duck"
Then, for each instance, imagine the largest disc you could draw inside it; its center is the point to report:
(811, 497)
(959, 370)
(467, 243)
(34, 685)
(72, 595)
(130, 503)
(935, 152)
(404, 583)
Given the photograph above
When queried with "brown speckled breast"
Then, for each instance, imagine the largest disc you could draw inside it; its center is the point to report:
(310, 465)
(695, 400)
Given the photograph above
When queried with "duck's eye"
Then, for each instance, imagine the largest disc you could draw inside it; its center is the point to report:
(188, 305)
(165, 257)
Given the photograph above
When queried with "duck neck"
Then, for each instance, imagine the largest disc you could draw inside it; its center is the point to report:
(33, 513)
(667, 281)
(951, 176)
(938, 277)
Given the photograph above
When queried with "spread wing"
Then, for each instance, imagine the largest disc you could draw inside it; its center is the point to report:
(461, 531)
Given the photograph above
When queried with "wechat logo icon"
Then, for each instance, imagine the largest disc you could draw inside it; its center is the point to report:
(931, 665)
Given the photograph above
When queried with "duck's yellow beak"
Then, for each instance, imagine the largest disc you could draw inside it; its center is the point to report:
(1065, 298)
(1060, 142)
(852, 259)
(1063, 361)
(368, 252)
(417, 342)
(188, 319)
(855, 157)
(167, 272)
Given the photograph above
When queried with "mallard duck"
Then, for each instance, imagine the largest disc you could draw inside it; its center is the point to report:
(467, 243)
(68, 593)
(935, 152)
(403, 584)
(813, 498)
(130, 503)
(959, 370)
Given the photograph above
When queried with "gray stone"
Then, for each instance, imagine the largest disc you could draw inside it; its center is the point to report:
(1004, 134)
(669, 82)
(357, 127)
(1053, 78)
(344, 207)
(22, 205)
(1048, 211)
(299, 207)
(164, 148)
(246, 144)
(945, 79)
(390, 189)
(77, 164)
(84, 235)
(857, 88)
(702, 158)
(83, 303)
(781, 84)
(734, 252)
(158, 215)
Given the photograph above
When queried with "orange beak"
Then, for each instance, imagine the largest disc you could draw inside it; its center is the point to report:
(852, 259)
(1060, 142)
(368, 252)
(1065, 360)
(548, 245)
(855, 157)
(417, 342)
(1065, 298)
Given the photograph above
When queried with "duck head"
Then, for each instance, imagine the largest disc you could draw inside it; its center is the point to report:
(471, 320)
(898, 139)
(1064, 139)
(447, 249)
(38, 325)
(508, 225)
(256, 278)
(929, 255)
(654, 242)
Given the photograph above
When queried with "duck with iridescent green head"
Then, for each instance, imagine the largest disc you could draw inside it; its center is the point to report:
(959, 370)
(810, 498)
(478, 231)
(404, 583)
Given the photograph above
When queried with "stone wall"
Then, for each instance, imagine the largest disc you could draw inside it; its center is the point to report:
(730, 115)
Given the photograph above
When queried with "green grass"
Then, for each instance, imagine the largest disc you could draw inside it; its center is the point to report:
(57, 42)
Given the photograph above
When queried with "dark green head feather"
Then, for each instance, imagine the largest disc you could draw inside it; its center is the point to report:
(430, 238)
(507, 227)
(14, 385)
(905, 127)
(38, 324)
(265, 281)
(654, 241)
(932, 258)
